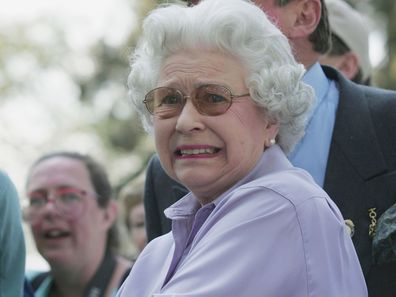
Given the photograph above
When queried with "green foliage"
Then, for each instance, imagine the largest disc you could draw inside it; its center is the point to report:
(386, 73)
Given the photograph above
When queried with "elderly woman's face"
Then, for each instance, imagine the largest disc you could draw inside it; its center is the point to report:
(209, 154)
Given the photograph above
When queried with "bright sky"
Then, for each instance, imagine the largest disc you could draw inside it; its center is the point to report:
(85, 20)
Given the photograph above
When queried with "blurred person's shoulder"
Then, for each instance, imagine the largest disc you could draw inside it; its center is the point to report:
(5, 183)
(344, 83)
(39, 281)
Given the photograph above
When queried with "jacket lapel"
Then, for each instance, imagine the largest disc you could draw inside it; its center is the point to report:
(354, 133)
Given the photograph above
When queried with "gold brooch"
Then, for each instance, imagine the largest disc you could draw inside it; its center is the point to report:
(373, 221)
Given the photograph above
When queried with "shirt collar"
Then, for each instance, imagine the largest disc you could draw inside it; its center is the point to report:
(272, 160)
(316, 78)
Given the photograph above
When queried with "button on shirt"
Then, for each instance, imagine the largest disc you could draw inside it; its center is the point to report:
(312, 152)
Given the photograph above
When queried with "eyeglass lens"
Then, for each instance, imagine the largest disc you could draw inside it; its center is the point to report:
(68, 202)
(211, 100)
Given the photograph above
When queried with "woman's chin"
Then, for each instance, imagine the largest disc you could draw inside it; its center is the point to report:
(57, 259)
(195, 182)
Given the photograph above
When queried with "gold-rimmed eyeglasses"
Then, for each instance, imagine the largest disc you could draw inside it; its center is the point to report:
(209, 99)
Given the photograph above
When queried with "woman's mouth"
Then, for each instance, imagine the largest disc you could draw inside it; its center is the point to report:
(54, 234)
(196, 152)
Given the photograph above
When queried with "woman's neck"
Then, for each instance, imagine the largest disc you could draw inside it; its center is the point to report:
(72, 280)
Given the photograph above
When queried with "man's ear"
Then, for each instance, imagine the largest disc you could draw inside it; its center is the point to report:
(308, 14)
(349, 65)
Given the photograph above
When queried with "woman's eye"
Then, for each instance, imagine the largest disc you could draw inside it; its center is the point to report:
(37, 201)
(214, 98)
(171, 100)
(69, 197)
(138, 225)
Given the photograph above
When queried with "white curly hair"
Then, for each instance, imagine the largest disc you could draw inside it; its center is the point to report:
(234, 27)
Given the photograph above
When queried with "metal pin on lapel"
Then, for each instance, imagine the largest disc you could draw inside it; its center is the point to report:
(373, 218)
(350, 226)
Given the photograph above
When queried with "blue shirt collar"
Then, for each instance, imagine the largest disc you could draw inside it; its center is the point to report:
(316, 78)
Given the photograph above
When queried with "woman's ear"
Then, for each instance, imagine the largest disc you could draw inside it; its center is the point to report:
(110, 213)
(307, 17)
(272, 131)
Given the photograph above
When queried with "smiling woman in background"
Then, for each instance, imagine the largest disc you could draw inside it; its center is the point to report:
(220, 89)
(72, 214)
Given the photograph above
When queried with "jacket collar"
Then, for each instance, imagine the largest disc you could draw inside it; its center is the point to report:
(354, 131)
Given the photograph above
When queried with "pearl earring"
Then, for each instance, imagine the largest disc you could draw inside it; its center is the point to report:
(272, 141)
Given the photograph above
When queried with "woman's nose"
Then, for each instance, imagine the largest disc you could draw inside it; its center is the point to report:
(50, 206)
(189, 118)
